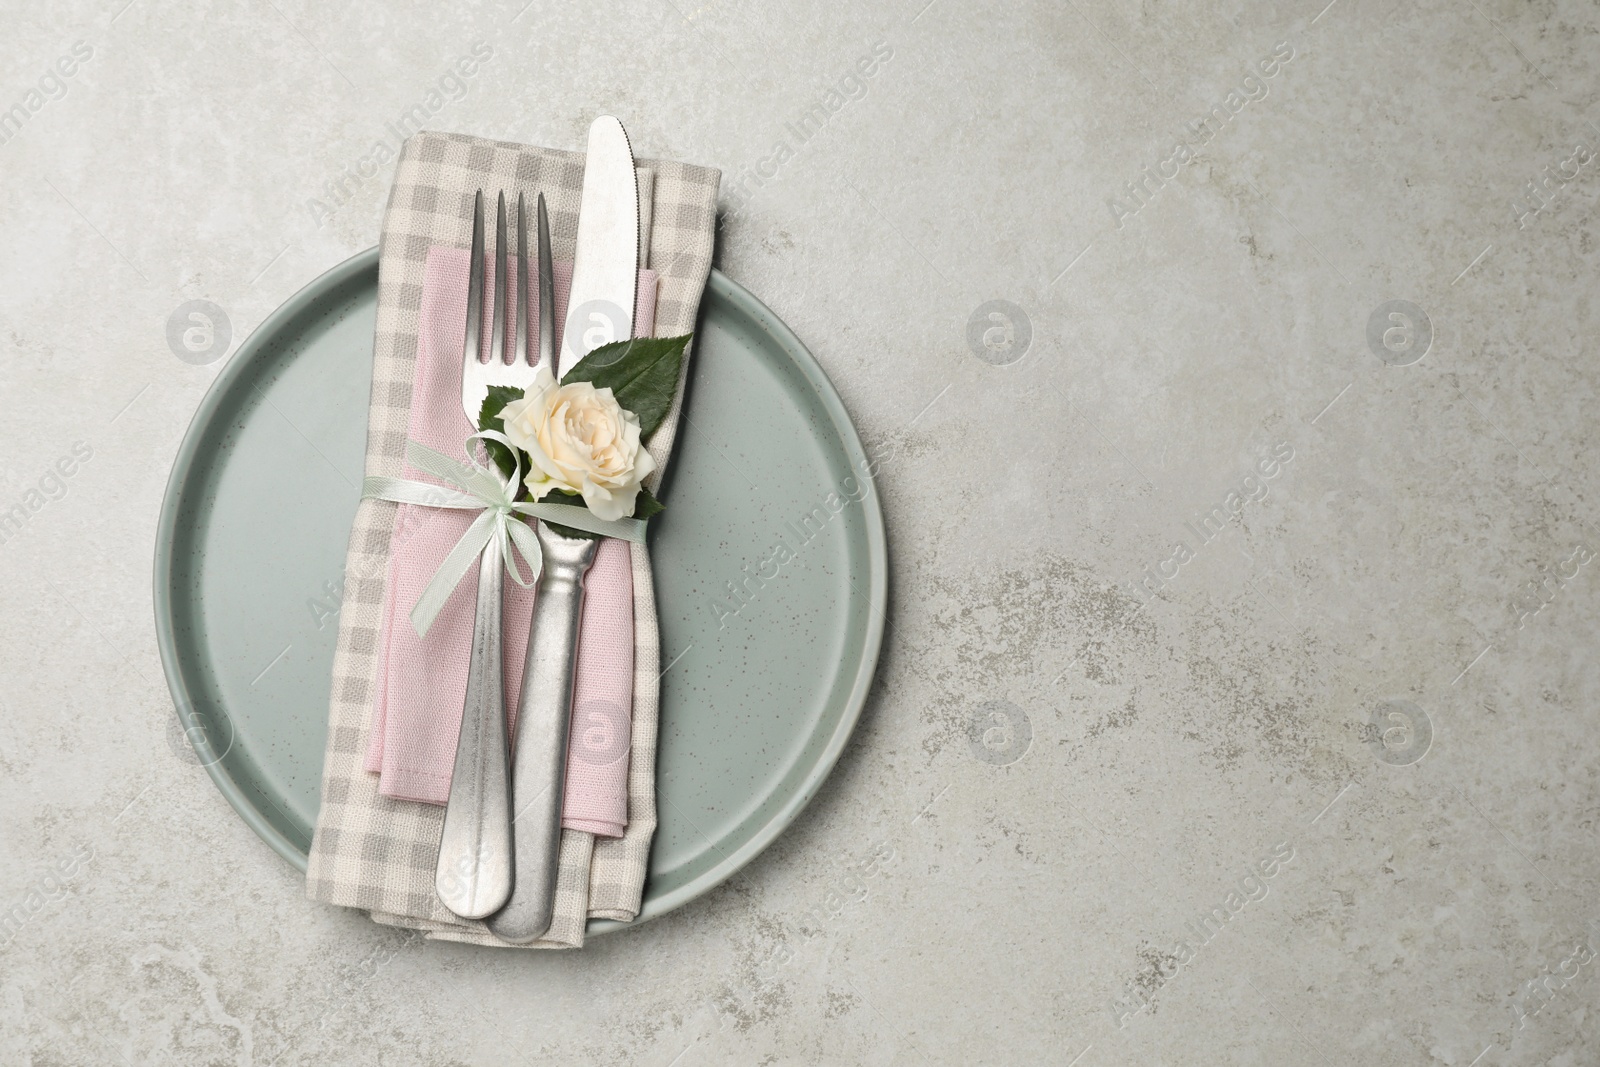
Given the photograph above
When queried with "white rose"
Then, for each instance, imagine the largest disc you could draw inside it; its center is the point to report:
(578, 438)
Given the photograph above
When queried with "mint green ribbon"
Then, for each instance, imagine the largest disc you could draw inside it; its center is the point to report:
(484, 489)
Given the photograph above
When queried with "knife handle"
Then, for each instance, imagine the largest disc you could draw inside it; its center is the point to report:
(473, 876)
(544, 712)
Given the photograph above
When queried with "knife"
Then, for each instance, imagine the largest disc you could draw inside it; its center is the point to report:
(605, 266)
(600, 310)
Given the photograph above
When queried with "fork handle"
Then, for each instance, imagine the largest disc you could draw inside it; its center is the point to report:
(473, 877)
(544, 712)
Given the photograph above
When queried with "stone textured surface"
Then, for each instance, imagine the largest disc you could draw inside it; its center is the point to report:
(1029, 896)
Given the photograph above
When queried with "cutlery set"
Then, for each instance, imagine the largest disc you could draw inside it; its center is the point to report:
(501, 838)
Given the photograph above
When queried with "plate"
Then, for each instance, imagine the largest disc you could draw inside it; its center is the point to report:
(760, 693)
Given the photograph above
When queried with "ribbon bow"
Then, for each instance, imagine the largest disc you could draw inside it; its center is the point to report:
(484, 489)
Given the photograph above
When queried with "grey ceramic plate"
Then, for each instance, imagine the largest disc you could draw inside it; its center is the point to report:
(756, 706)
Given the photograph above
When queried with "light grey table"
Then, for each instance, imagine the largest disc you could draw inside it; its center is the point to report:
(1317, 787)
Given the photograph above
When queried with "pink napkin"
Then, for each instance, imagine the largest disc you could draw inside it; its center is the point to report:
(422, 682)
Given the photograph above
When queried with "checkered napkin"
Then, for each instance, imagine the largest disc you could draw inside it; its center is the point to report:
(379, 854)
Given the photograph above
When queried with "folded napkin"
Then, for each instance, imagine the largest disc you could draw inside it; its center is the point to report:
(376, 852)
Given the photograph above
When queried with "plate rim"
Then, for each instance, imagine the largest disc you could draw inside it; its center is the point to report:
(188, 459)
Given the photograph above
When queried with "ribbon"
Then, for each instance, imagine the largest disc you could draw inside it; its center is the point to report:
(484, 489)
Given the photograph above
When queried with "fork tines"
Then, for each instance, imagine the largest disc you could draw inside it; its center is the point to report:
(480, 370)
(504, 273)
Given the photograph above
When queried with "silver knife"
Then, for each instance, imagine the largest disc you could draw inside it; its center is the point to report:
(604, 274)
(605, 266)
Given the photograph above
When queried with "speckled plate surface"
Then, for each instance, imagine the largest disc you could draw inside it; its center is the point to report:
(757, 702)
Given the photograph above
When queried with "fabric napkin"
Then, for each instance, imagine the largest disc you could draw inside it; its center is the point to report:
(378, 853)
(422, 682)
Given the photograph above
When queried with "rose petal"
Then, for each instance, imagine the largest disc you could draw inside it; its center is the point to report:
(602, 502)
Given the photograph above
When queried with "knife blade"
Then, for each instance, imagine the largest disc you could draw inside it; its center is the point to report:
(605, 266)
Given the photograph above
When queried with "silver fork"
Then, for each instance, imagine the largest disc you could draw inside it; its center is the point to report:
(475, 871)
(544, 707)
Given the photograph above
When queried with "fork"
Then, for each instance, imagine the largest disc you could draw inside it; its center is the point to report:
(475, 871)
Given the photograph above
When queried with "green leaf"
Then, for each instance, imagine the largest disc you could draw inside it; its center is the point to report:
(642, 374)
(499, 396)
(569, 531)
(489, 419)
(561, 496)
(646, 506)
